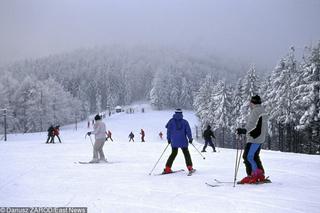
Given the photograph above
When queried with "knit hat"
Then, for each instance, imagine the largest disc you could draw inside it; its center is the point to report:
(97, 117)
(255, 99)
(178, 111)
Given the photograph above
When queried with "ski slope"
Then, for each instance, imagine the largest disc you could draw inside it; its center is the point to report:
(37, 174)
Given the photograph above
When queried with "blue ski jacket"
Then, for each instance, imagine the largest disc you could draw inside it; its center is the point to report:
(178, 131)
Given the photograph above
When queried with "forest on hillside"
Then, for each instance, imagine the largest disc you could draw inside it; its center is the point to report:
(66, 88)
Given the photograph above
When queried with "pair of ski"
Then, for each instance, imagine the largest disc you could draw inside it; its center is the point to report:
(221, 183)
(176, 171)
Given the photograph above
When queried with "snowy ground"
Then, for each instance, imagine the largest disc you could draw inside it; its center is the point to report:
(38, 174)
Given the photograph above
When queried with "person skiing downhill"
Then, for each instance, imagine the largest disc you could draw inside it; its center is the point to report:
(50, 134)
(131, 136)
(99, 130)
(161, 135)
(255, 131)
(142, 135)
(109, 135)
(208, 135)
(179, 136)
(56, 132)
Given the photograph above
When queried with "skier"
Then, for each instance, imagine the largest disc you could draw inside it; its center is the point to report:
(207, 134)
(161, 135)
(142, 135)
(109, 135)
(56, 132)
(178, 135)
(50, 134)
(99, 130)
(131, 136)
(255, 130)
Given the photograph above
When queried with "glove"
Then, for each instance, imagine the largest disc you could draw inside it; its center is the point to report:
(88, 133)
(169, 141)
(190, 140)
(241, 131)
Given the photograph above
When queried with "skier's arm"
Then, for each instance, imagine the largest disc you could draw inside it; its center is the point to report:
(257, 130)
(188, 131)
(168, 132)
(212, 135)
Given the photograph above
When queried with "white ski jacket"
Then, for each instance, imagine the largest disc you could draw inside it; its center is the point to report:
(99, 130)
(252, 123)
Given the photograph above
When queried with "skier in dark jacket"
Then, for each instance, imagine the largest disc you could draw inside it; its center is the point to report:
(208, 135)
(179, 136)
(131, 136)
(50, 134)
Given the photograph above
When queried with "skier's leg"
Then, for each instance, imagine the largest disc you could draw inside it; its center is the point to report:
(95, 152)
(205, 146)
(172, 157)
(252, 151)
(187, 157)
(246, 162)
(59, 138)
(52, 139)
(257, 159)
(212, 145)
(49, 137)
(100, 144)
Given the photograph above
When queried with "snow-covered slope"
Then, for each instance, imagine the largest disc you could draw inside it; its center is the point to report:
(37, 174)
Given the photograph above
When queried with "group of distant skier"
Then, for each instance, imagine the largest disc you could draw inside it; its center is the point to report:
(142, 133)
(179, 135)
(52, 133)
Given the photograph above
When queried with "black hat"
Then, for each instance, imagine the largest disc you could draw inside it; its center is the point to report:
(208, 127)
(97, 117)
(255, 99)
(178, 111)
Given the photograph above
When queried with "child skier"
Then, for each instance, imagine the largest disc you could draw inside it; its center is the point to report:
(255, 130)
(178, 135)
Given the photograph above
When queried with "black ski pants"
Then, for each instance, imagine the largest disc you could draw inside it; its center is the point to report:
(174, 153)
(256, 159)
(210, 144)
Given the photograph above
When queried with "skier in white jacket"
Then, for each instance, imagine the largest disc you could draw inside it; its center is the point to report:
(99, 131)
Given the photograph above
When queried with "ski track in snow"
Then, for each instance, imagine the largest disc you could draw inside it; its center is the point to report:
(38, 174)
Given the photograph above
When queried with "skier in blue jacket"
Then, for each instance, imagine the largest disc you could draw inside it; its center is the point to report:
(179, 136)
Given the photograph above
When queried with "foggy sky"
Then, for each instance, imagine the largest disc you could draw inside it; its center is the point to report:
(259, 31)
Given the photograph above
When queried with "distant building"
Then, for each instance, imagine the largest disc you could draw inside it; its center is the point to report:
(118, 109)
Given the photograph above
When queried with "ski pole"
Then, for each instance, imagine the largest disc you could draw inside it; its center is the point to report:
(235, 166)
(238, 158)
(159, 159)
(198, 151)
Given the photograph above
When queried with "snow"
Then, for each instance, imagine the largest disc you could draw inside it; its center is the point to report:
(37, 174)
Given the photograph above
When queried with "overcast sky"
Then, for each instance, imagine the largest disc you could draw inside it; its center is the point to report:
(259, 31)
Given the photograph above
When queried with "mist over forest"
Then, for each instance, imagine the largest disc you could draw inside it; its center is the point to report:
(61, 61)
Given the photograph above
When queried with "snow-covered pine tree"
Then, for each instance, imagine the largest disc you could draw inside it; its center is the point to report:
(202, 101)
(186, 98)
(308, 99)
(221, 111)
(250, 87)
(281, 99)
